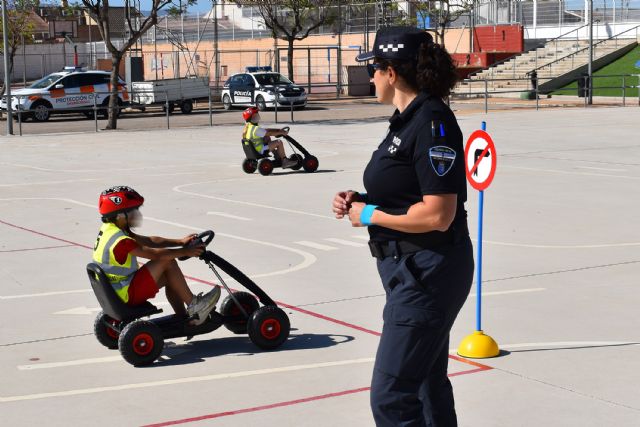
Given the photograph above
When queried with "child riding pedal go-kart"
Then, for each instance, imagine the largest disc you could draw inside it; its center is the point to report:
(257, 146)
(123, 289)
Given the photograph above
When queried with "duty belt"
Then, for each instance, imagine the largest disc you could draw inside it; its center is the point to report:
(397, 248)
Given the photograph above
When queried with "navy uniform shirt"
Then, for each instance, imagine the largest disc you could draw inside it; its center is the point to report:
(422, 154)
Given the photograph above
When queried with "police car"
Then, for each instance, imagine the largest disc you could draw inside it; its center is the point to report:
(70, 90)
(260, 86)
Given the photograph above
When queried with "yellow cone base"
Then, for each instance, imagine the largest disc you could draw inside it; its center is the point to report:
(478, 346)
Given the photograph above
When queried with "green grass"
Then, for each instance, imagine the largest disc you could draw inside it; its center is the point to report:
(611, 86)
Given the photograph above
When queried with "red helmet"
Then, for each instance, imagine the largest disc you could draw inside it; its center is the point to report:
(249, 112)
(119, 199)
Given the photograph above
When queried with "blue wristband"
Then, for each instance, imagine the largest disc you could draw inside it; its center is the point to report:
(366, 213)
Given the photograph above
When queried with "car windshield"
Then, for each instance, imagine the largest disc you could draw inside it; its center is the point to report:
(271, 79)
(46, 81)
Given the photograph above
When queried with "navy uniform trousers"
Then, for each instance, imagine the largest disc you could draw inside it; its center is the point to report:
(425, 291)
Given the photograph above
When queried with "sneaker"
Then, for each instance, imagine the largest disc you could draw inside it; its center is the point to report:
(202, 305)
(288, 163)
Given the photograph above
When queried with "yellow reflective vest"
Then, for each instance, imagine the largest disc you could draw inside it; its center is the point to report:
(119, 275)
(249, 136)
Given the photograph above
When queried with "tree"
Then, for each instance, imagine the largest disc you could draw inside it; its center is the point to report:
(20, 31)
(441, 13)
(292, 20)
(99, 10)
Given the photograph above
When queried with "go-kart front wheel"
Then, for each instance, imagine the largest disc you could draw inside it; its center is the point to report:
(230, 308)
(141, 343)
(268, 327)
(298, 159)
(265, 166)
(310, 164)
(249, 165)
(106, 335)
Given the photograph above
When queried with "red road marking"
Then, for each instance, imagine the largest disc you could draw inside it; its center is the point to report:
(37, 249)
(475, 166)
(258, 408)
(480, 367)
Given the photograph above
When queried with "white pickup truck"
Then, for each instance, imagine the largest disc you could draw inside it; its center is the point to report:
(181, 92)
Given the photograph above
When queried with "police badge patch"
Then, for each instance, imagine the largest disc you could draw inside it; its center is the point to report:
(442, 159)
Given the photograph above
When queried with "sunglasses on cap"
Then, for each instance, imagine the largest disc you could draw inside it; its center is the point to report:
(371, 68)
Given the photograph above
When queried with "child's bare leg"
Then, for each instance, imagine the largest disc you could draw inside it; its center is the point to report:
(167, 273)
(176, 302)
(278, 148)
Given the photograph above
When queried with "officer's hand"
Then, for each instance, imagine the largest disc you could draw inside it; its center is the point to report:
(342, 202)
(354, 214)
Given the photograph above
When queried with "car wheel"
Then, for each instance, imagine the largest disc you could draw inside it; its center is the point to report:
(103, 111)
(261, 103)
(230, 308)
(186, 107)
(172, 107)
(41, 111)
(226, 102)
(268, 327)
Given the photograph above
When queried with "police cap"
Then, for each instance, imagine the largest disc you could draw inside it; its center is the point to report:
(396, 43)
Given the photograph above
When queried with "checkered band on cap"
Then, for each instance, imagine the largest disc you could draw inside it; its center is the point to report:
(391, 47)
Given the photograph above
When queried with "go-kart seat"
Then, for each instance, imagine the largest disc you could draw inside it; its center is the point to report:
(111, 303)
(250, 151)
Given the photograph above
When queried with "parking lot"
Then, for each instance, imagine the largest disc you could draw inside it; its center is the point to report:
(561, 262)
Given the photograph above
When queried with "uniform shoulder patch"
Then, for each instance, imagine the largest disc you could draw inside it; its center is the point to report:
(442, 159)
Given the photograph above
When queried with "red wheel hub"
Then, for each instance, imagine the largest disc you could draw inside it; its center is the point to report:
(143, 344)
(270, 329)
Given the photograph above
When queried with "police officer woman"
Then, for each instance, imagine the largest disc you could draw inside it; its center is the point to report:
(414, 210)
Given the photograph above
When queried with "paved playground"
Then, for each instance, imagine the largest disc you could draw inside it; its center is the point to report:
(560, 277)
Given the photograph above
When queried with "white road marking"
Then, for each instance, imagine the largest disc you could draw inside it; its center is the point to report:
(564, 172)
(315, 245)
(240, 374)
(44, 294)
(308, 258)
(345, 242)
(168, 353)
(561, 344)
(71, 181)
(515, 291)
(84, 310)
(360, 236)
(525, 245)
(602, 169)
(178, 189)
(226, 215)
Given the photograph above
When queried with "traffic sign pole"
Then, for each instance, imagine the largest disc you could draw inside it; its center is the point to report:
(478, 345)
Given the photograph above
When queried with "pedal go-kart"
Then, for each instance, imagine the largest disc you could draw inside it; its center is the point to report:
(140, 341)
(265, 163)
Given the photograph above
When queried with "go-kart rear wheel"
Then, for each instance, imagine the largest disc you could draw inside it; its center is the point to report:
(230, 308)
(249, 165)
(105, 335)
(298, 159)
(265, 166)
(141, 343)
(310, 164)
(268, 327)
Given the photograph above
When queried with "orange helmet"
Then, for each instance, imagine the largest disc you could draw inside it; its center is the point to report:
(118, 199)
(249, 113)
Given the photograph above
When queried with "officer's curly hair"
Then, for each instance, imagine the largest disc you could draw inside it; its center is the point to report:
(433, 71)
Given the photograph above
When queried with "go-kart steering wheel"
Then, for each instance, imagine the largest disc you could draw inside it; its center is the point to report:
(286, 129)
(203, 238)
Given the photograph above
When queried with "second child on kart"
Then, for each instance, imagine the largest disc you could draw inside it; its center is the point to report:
(117, 248)
(261, 137)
